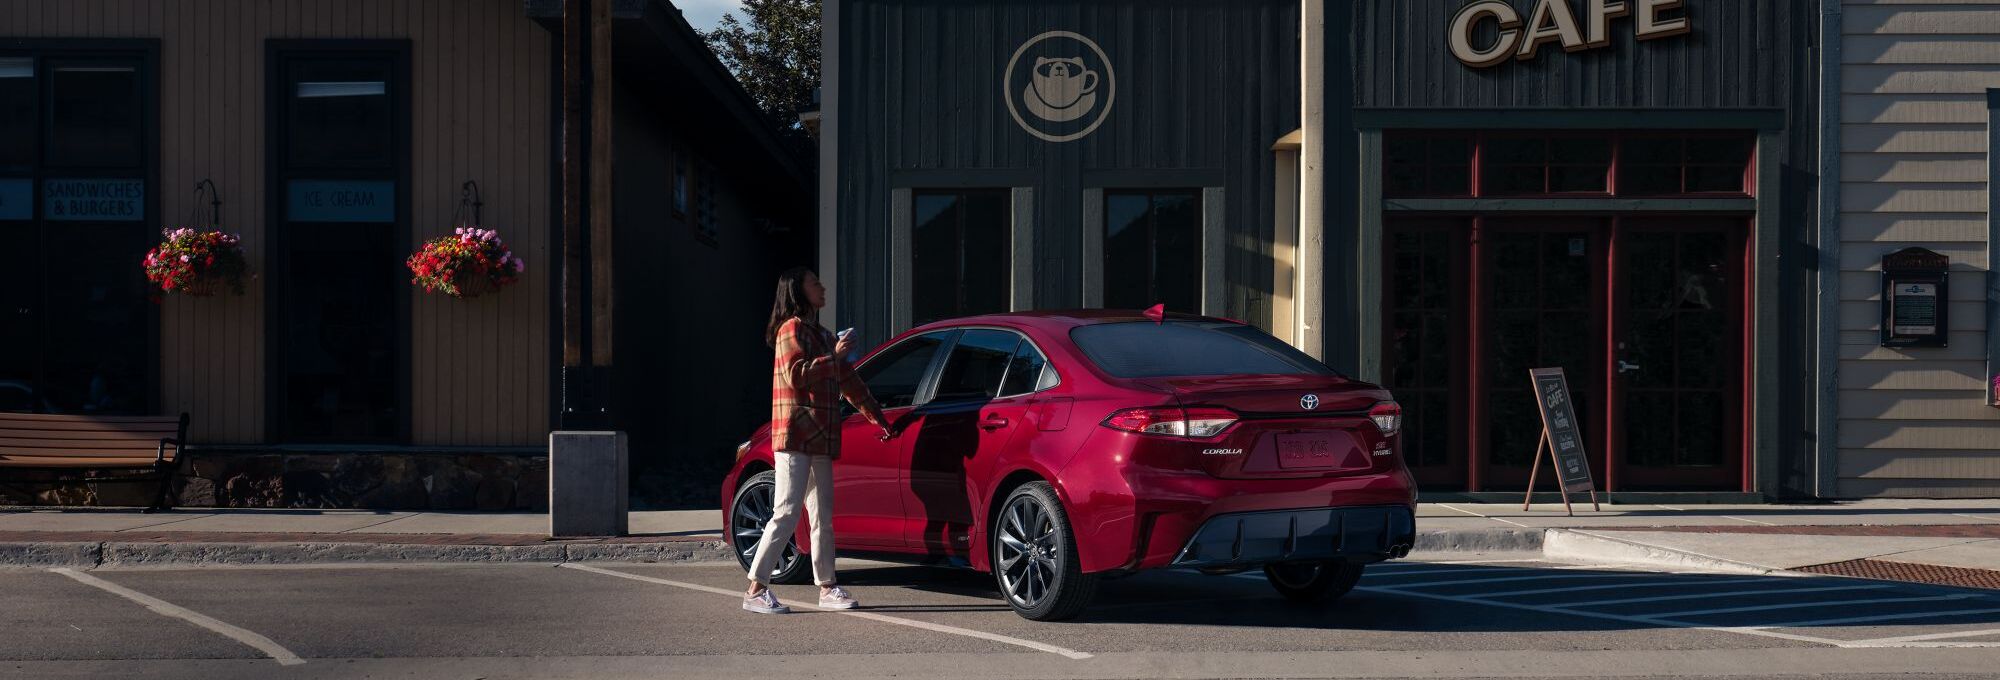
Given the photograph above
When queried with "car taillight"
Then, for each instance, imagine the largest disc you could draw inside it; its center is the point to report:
(1388, 417)
(1197, 422)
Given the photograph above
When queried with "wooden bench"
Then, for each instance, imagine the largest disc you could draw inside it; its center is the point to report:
(75, 443)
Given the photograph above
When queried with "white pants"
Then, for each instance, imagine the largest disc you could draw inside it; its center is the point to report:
(803, 481)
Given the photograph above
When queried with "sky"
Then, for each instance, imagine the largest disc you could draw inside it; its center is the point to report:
(705, 14)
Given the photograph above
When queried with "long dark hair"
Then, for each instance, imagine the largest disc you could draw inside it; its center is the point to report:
(790, 303)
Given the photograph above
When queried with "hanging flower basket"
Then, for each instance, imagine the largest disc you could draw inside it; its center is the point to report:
(197, 263)
(469, 263)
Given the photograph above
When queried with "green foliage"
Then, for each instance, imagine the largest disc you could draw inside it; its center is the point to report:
(774, 51)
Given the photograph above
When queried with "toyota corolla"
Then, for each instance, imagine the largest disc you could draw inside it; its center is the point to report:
(1057, 449)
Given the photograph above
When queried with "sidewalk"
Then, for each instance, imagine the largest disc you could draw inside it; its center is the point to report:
(1954, 542)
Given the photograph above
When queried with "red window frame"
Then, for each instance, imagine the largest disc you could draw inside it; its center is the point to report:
(1479, 166)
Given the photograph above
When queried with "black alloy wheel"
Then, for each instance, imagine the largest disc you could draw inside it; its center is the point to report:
(1035, 556)
(747, 517)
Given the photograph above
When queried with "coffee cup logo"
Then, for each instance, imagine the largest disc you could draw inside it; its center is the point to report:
(1061, 90)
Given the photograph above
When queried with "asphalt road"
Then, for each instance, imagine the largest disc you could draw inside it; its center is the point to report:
(1410, 619)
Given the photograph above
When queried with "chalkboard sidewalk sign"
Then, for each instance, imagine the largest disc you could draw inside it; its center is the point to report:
(1561, 439)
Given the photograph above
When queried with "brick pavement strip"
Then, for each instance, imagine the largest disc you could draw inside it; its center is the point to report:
(1883, 530)
(1883, 570)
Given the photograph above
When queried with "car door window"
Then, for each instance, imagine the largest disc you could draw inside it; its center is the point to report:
(1024, 371)
(976, 365)
(894, 376)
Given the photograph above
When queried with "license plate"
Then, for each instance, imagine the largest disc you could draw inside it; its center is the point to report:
(1306, 450)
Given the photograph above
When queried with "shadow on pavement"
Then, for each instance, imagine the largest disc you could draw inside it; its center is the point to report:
(1489, 598)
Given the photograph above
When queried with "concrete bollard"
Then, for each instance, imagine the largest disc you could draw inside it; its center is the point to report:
(587, 484)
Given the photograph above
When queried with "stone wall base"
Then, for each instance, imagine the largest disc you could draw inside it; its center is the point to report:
(280, 479)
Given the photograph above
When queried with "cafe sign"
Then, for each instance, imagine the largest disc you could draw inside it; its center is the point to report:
(1555, 21)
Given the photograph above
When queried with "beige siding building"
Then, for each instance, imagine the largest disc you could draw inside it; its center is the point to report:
(1914, 142)
(340, 135)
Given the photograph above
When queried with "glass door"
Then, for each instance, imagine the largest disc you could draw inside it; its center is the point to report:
(1424, 351)
(1678, 359)
(1541, 296)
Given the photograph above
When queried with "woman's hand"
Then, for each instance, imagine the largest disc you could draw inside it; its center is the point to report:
(842, 346)
(888, 433)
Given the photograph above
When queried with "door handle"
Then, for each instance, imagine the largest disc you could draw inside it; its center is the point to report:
(992, 423)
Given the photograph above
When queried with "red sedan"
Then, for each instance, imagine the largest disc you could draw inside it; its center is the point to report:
(1054, 449)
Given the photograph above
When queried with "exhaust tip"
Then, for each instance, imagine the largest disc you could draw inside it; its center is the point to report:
(1399, 550)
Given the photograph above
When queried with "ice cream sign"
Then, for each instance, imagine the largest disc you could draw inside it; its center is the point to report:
(1556, 22)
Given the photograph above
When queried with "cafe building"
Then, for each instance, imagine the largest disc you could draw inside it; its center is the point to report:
(335, 136)
(1438, 196)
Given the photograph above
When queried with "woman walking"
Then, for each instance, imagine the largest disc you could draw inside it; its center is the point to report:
(808, 375)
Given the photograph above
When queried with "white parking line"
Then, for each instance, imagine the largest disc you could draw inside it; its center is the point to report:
(1539, 577)
(925, 625)
(1714, 596)
(1807, 605)
(1752, 521)
(1882, 617)
(1934, 636)
(278, 653)
(1616, 586)
(1446, 570)
(1563, 611)
(1449, 506)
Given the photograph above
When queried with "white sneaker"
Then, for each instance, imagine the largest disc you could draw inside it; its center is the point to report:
(765, 602)
(837, 598)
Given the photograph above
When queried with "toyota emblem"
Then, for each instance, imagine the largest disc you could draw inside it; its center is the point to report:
(1309, 402)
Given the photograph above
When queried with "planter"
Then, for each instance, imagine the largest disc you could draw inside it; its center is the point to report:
(471, 285)
(196, 263)
(469, 263)
(207, 286)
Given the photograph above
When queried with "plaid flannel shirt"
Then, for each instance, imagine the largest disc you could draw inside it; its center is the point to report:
(805, 378)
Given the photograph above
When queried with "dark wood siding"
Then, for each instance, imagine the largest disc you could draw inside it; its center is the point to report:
(1741, 54)
(1202, 91)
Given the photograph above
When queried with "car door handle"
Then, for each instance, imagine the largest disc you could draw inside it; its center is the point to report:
(992, 423)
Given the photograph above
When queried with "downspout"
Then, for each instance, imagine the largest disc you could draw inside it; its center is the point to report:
(1826, 399)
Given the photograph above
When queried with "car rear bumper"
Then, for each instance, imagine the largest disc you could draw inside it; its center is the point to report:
(1366, 534)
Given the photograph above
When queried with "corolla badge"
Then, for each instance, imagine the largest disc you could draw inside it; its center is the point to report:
(1066, 90)
(1309, 402)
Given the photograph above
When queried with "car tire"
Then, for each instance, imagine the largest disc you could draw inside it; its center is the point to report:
(748, 514)
(1313, 581)
(1043, 581)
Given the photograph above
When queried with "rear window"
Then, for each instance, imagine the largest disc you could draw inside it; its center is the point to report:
(1143, 349)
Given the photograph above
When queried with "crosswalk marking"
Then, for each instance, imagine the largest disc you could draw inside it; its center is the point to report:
(1807, 605)
(1614, 586)
(1712, 596)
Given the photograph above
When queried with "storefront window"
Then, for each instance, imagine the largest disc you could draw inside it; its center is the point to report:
(94, 116)
(1152, 249)
(1426, 164)
(75, 327)
(338, 116)
(962, 248)
(339, 247)
(18, 123)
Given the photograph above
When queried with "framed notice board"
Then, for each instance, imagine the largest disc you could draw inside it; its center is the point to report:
(1560, 438)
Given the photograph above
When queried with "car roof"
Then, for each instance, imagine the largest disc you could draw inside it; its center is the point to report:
(1060, 321)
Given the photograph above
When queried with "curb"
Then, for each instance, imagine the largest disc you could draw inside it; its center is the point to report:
(1555, 544)
(1480, 540)
(1584, 546)
(90, 555)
